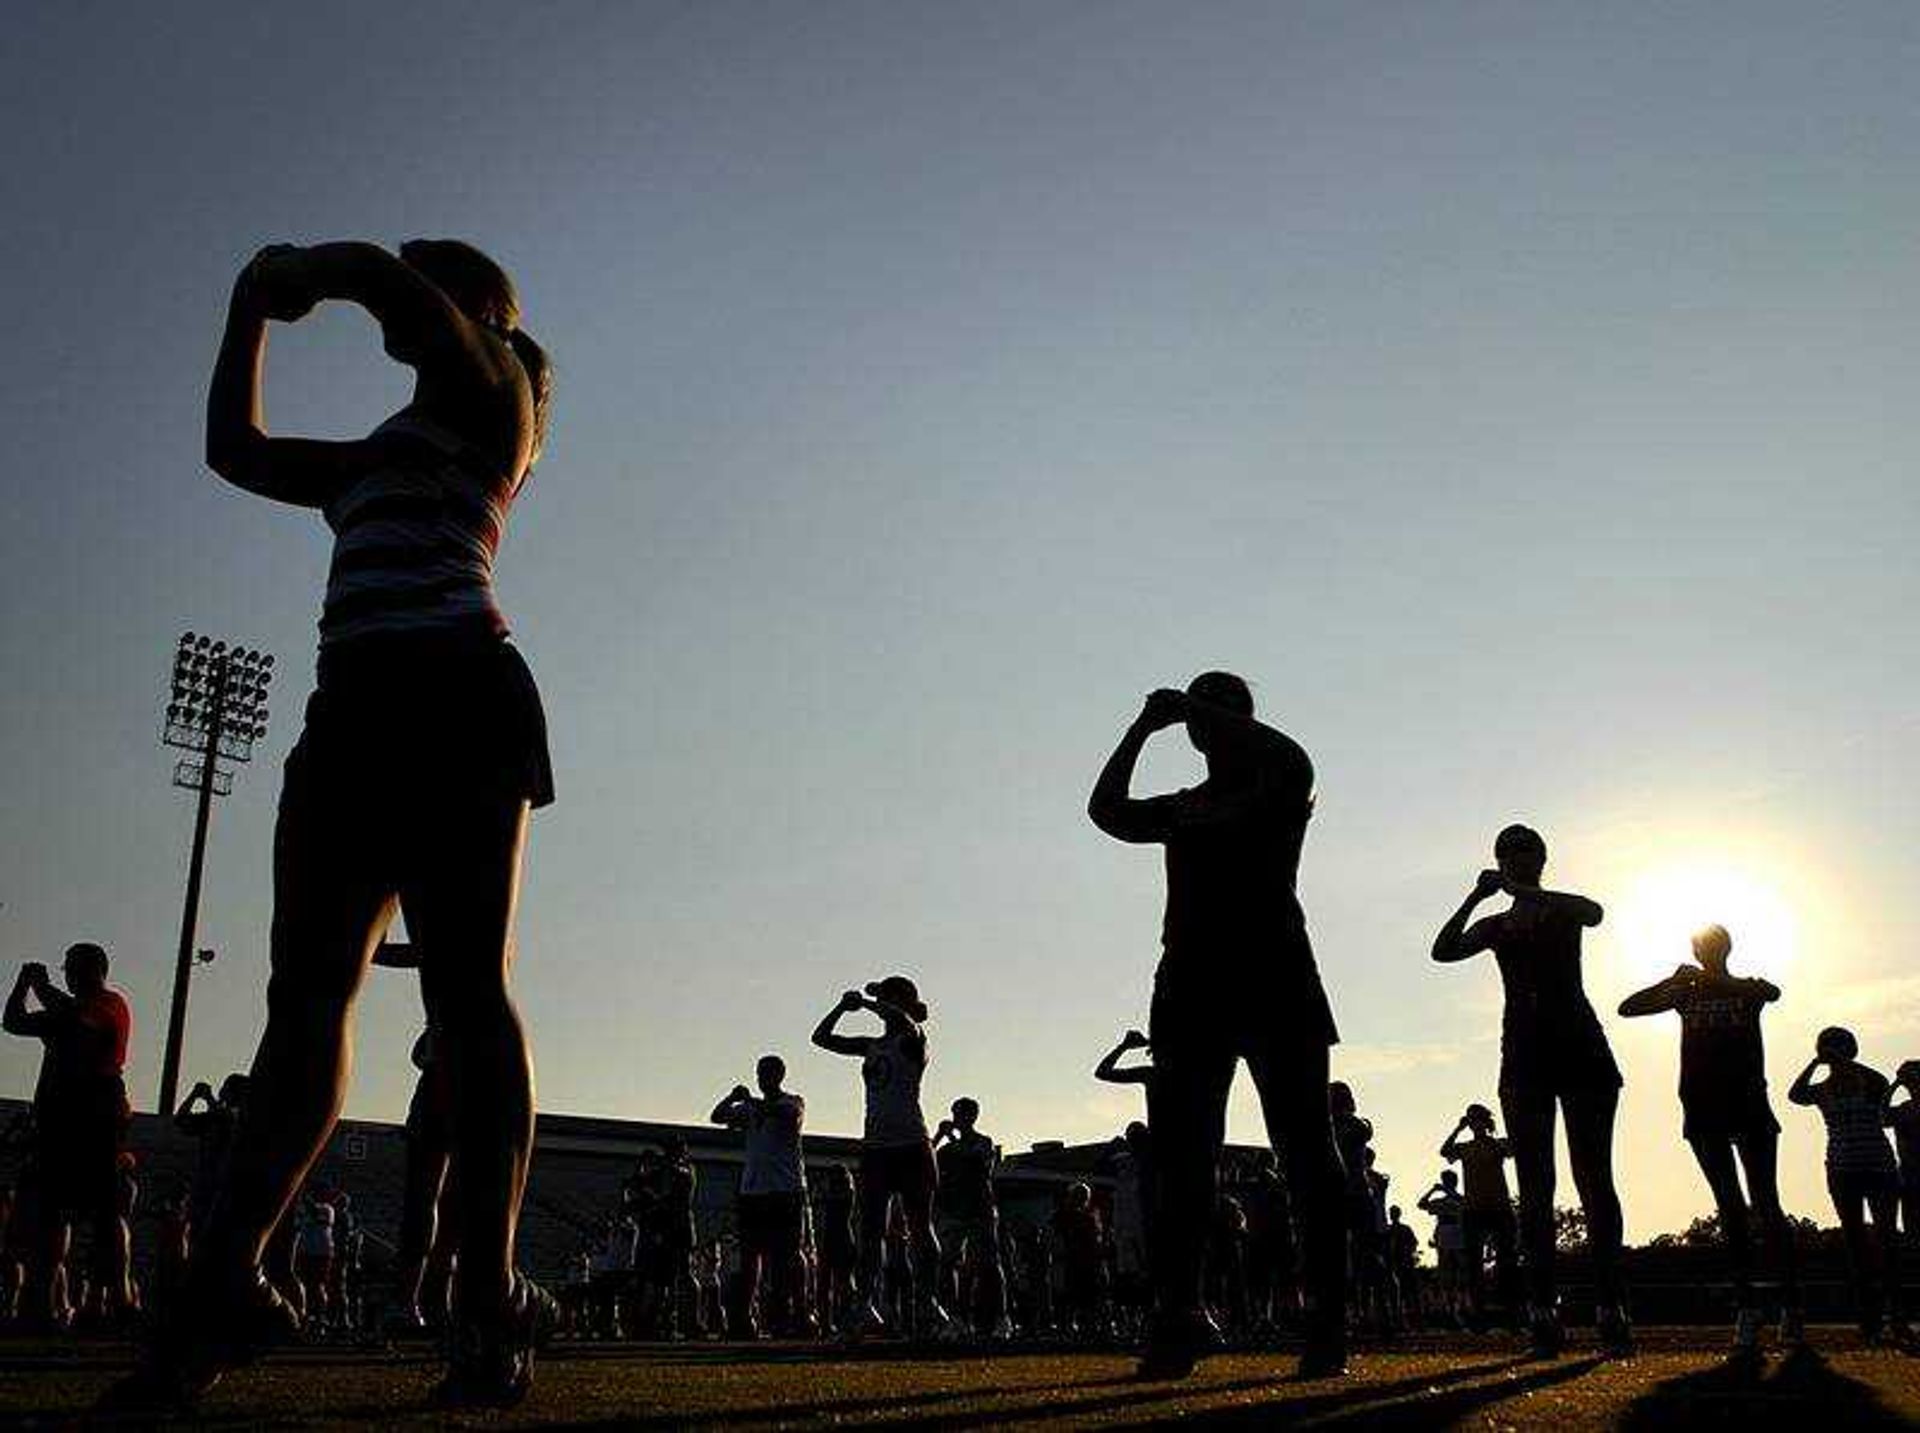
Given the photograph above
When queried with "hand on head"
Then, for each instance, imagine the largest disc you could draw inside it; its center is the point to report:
(741, 1092)
(1489, 883)
(1135, 1040)
(275, 283)
(1165, 707)
(852, 1000)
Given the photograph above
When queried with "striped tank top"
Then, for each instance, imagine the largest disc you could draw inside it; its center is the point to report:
(415, 538)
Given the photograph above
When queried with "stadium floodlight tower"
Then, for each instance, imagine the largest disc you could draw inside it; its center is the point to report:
(216, 711)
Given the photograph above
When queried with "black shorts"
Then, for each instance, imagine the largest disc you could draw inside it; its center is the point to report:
(1492, 1225)
(401, 731)
(77, 1157)
(904, 1170)
(774, 1224)
(1732, 1119)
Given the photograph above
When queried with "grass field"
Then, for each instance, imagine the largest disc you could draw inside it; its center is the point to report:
(1679, 1379)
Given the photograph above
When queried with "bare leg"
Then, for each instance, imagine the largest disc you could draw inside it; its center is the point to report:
(461, 910)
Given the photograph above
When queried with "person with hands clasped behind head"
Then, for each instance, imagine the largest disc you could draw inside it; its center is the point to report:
(1862, 1175)
(1723, 1093)
(1554, 1057)
(1236, 980)
(896, 1156)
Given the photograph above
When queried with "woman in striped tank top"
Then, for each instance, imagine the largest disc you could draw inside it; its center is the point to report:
(423, 751)
(1861, 1175)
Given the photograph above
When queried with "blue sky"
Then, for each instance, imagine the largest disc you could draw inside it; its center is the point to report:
(1518, 394)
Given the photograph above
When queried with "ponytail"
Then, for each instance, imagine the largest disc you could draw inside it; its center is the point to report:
(539, 369)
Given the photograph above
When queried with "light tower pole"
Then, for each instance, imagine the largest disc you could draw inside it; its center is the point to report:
(216, 712)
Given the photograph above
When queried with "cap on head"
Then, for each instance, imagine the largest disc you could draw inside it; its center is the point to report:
(1712, 945)
(900, 991)
(1836, 1042)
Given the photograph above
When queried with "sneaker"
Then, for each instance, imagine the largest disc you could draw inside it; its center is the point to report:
(1746, 1330)
(1176, 1346)
(1616, 1332)
(221, 1331)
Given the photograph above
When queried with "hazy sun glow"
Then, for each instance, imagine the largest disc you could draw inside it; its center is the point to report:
(1656, 915)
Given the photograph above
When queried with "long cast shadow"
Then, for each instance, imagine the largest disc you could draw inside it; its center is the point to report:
(1804, 1390)
(1139, 1397)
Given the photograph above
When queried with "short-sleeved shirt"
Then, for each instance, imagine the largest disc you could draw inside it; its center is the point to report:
(86, 1051)
(1233, 919)
(1483, 1173)
(774, 1161)
(1856, 1140)
(1723, 1063)
(892, 1070)
(1550, 1037)
(966, 1176)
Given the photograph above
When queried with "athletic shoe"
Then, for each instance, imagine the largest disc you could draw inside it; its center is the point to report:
(1616, 1333)
(1176, 1346)
(216, 1332)
(1746, 1330)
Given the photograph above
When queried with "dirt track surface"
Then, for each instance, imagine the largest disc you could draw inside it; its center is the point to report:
(1679, 1378)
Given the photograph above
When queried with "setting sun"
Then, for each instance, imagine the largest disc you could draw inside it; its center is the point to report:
(1659, 911)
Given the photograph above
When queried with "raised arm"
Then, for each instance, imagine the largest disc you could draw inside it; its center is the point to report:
(1456, 940)
(732, 1107)
(1450, 1151)
(1802, 1092)
(1112, 807)
(1659, 997)
(302, 471)
(1109, 1069)
(826, 1038)
(17, 1018)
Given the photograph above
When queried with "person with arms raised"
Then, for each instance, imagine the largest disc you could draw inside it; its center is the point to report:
(1723, 1094)
(1236, 980)
(424, 748)
(1554, 1057)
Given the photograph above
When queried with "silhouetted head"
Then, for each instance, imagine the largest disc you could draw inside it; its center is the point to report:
(85, 968)
(482, 290)
(233, 1090)
(1480, 1118)
(1216, 689)
(1449, 1179)
(1136, 1135)
(1078, 1195)
(966, 1112)
(770, 1073)
(1836, 1042)
(1711, 947)
(1340, 1097)
(1367, 1156)
(1521, 854)
(1393, 1213)
(901, 993)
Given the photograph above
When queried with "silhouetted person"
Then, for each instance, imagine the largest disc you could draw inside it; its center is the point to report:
(1723, 1094)
(896, 1155)
(1553, 1057)
(213, 1120)
(1902, 1116)
(1236, 980)
(423, 750)
(1486, 1209)
(79, 1119)
(838, 1248)
(1862, 1175)
(1447, 1206)
(969, 1220)
(772, 1207)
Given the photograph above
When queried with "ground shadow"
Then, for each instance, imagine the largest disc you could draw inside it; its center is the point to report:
(1801, 1391)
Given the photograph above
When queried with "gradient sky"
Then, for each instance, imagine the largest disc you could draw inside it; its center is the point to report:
(1511, 391)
